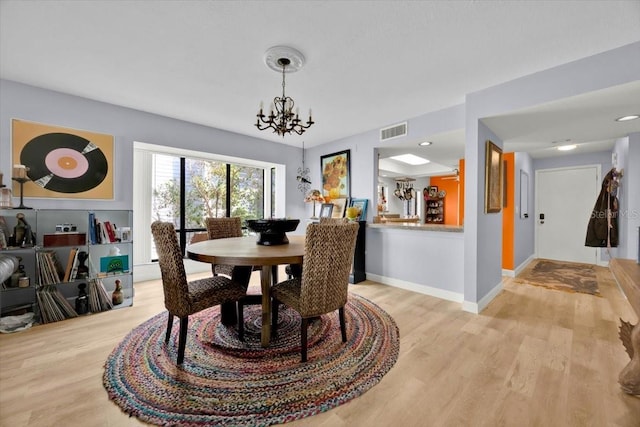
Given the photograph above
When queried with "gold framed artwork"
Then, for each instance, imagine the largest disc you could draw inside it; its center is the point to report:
(63, 162)
(336, 181)
(493, 178)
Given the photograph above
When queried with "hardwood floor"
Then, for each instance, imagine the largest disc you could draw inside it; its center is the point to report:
(533, 357)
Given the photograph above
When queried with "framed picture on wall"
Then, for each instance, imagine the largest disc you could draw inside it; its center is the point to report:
(493, 178)
(63, 162)
(336, 179)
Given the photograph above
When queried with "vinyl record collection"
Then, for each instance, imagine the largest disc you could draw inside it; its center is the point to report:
(99, 300)
(55, 307)
(50, 271)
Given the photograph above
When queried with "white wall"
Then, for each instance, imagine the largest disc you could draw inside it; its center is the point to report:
(524, 228)
(482, 236)
(602, 158)
(631, 182)
(428, 262)
(127, 125)
(611, 68)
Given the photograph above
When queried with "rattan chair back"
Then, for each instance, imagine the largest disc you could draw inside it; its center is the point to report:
(325, 220)
(329, 248)
(174, 278)
(222, 228)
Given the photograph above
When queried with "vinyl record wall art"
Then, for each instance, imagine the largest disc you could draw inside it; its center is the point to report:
(62, 162)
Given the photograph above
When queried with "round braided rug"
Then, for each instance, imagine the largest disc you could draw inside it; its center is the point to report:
(224, 381)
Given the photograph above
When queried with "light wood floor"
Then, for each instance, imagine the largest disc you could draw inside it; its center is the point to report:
(533, 357)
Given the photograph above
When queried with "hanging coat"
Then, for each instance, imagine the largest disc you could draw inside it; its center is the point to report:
(602, 230)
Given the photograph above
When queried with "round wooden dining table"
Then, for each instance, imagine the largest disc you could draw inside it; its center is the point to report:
(244, 251)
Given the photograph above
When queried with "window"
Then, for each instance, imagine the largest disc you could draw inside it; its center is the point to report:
(186, 187)
(247, 192)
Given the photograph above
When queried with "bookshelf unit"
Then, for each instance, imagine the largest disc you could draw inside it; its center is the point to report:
(51, 263)
(434, 210)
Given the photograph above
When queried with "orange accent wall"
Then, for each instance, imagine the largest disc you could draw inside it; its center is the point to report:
(454, 199)
(508, 212)
(450, 199)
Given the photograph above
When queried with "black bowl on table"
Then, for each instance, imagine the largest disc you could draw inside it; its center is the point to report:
(272, 231)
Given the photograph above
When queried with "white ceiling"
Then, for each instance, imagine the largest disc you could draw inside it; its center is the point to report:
(368, 64)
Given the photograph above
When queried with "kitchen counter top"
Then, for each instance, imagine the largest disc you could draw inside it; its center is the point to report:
(418, 227)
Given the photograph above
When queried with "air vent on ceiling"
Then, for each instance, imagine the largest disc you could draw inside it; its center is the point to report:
(394, 131)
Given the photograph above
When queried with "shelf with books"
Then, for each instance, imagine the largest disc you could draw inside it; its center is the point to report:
(68, 259)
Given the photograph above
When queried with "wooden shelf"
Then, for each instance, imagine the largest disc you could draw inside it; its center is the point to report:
(434, 210)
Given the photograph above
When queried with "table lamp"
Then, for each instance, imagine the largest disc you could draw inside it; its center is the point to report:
(314, 196)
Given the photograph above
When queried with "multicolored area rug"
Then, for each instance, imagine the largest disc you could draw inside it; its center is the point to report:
(561, 276)
(224, 381)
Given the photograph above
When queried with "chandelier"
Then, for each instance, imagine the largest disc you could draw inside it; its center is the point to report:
(303, 175)
(282, 119)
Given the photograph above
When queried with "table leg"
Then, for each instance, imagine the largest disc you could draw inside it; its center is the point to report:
(228, 313)
(265, 282)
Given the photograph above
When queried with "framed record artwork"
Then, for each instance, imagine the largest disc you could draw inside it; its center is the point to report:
(63, 162)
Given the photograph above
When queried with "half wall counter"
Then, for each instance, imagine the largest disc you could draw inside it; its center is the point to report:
(423, 258)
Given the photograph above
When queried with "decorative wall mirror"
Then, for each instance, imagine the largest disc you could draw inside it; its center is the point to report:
(524, 194)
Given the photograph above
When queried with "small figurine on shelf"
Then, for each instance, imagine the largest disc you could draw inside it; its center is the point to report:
(83, 270)
(22, 235)
(82, 301)
(117, 297)
(17, 275)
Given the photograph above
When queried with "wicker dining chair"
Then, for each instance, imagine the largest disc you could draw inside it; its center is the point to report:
(181, 297)
(295, 270)
(222, 228)
(323, 287)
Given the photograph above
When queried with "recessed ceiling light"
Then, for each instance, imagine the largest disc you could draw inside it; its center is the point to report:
(627, 118)
(560, 141)
(425, 143)
(567, 147)
(410, 159)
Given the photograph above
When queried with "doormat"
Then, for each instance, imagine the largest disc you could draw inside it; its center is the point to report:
(560, 276)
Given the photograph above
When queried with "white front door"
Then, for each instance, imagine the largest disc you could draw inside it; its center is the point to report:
(564, 202)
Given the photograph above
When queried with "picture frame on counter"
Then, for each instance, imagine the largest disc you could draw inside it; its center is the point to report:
(339, 207)
(362, 205)
(326, 210)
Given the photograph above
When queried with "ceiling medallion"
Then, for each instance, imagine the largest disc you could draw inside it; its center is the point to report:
(281, 119)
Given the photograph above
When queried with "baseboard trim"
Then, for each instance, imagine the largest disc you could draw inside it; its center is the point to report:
(476, 308)
(524, 264)
(151, 271)
(415, 287)
(518, 269)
